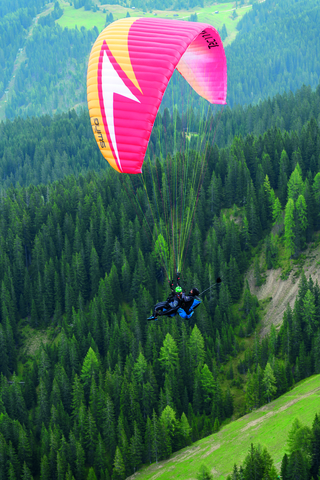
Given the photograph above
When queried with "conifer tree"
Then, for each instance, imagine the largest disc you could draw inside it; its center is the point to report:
(295, 184)
(80, 462)
(196, 348)
(3, 457)
(90, 367)
(296, 466)
(289, 234)
(301, 222)
(156, 437)
(169, 355)
(208, 387)
(185, 430)
(26, 474)
(90, 439)
(216, 425)
(284, 468)
(119, 468)
(45, 469)
(4, 361)
(269, 383)
(309, 313)
(204, 473)
(91, 474)
(148, 450)
(136, 448)
(43, 405)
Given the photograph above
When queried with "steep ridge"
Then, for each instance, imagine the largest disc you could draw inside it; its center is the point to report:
(281, 292)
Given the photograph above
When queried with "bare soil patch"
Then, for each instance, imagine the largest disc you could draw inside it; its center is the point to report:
(256, 422)
(187, 454)
(212, 449)
(281, 292)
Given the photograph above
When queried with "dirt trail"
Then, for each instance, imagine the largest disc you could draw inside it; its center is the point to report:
(283, 292)
(259, 420)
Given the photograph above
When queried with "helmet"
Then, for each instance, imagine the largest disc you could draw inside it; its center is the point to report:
(178, 289)
(195, 291)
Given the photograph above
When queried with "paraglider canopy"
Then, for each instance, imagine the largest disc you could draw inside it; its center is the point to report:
(129, 69)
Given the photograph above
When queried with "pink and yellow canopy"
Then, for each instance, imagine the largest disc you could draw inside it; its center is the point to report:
(129, 69)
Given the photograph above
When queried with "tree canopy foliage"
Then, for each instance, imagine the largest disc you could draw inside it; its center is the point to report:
(114, 391)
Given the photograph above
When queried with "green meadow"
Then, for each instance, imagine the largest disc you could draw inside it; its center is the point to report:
(80, 17)
(268, 425)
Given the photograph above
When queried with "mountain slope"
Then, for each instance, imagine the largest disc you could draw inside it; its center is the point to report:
(276, 50)
(269, 425)
(281, 291)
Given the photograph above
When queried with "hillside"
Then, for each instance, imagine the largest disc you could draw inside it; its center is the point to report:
(279, 292)
(50, 71)
(45, 81)
(268, 426)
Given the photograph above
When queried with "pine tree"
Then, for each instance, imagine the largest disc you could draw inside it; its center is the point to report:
(284, 468)
(77, 396)
(80, 462)
(148, 452)
(43, 405)
(90, 439)
(156, 437)
(169, 357)
(24, 450)
(109, 425)
(204, 473)
(136, 448)
(11, 472)
(269, 383)
(196, 348)
(289, 235)
(100, 459)
(119, 468)
(257, 273)
(277, 214)
(91, 474)
(317, 353)
(4, 361)
(94, 272)
(123, 434)
(45, 469)
(89, 368)
(297, 466)
(185, 430)
(295, 184)
(308, 313)
(26, 474)
(208, 385)
(250, 393)
(315, 447)
(301, 222)
(3, 456)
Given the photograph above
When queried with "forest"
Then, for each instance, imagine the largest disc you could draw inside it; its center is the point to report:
(53, 74)
(45, 149)
(109, 390)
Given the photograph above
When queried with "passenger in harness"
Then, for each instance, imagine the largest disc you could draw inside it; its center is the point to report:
(177, 303)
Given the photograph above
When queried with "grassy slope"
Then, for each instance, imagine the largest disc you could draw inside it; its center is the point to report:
(268, 426)
(72, 17)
